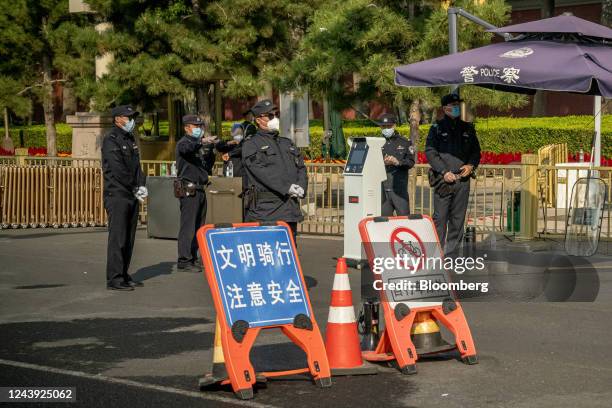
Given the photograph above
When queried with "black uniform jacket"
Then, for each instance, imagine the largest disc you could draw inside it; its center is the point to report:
(194, 161)
(451, 143)
(121, 164)
(272, 164)
(397, 176)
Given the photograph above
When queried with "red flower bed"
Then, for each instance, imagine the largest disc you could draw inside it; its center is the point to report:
(486, 158)
(35, 151)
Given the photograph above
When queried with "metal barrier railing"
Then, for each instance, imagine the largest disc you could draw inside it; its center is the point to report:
(68, 193)
(549, 156)
(552, 215)
(7, 160)
(41, 196)
(324, 201)
(61, 162)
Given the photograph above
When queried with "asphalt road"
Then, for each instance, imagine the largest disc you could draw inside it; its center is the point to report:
(59, 326)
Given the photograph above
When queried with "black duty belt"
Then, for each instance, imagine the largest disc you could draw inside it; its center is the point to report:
(194, 186)
(267, 194)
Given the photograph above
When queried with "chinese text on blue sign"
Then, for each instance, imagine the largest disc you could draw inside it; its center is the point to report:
(257, 274)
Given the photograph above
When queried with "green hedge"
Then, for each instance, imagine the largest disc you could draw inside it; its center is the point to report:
(35, 136)
(501, 135)
(495, 134)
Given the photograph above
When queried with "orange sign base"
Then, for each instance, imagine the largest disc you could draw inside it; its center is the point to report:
(396, 344)
(238, 339)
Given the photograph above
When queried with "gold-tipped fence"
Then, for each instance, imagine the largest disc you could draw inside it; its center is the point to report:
(51, 196)
(525, 199)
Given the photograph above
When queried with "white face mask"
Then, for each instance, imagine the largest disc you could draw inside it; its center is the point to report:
(388, 132)
(274, 124)
(129, 125)
(238, 137)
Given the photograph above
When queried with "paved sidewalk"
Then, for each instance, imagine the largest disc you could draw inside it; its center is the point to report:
(60, 326)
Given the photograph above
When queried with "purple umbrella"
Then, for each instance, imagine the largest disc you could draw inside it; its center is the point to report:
(562, 53)
(564, 24)
(519, 66)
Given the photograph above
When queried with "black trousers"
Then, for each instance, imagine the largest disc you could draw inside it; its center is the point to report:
(122, 221)
(394, 201)
(449, 215)
(293, 227)
(193, 216)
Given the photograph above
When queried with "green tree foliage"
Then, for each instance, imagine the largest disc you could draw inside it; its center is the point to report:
(170, 47)
(41, 45)
(434, 43)
(347, 38)
(370, 38)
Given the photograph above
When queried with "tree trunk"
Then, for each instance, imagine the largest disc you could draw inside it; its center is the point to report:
(548, 8)
(6, 123)
(539, 99)
(326, 128)
(415, 120)
(204, 106)
(7, 142)
(49, 107)
(606, 13)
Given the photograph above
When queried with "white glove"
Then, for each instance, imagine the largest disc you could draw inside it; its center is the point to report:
(143, 192)
(300, 192)
(294, 190)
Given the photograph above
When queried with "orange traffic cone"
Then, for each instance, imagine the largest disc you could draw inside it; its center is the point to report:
(218, 373)
(341, 339)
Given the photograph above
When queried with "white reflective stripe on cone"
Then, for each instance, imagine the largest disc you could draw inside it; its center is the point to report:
(341, 314)
(341, 282)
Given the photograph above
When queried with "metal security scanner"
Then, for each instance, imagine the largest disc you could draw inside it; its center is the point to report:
(363, 175)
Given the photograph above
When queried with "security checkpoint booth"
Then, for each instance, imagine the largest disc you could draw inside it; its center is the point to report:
(363, 174)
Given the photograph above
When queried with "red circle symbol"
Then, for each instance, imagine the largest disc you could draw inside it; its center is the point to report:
(406, 243)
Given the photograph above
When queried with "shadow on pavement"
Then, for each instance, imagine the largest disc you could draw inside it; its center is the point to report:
(310, 282)
(148, 272)
(98, 344)
(54, 233)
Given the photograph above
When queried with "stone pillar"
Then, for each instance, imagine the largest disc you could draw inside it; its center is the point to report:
(21, 154)
(88, 129)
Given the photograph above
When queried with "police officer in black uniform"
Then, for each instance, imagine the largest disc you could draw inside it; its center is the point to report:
(275, 170)
(195, 158)
(398, 156)
(453, 152)
(124, 189)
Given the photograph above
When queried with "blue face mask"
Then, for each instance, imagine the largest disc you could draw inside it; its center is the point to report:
(455, 111)
(388, 132)
(196, 132)
(129, 125)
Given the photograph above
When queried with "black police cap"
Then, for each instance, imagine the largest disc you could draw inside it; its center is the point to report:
(450, 98)
(387, 119)
(192, 120)
(262, 107)
(124, 110)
